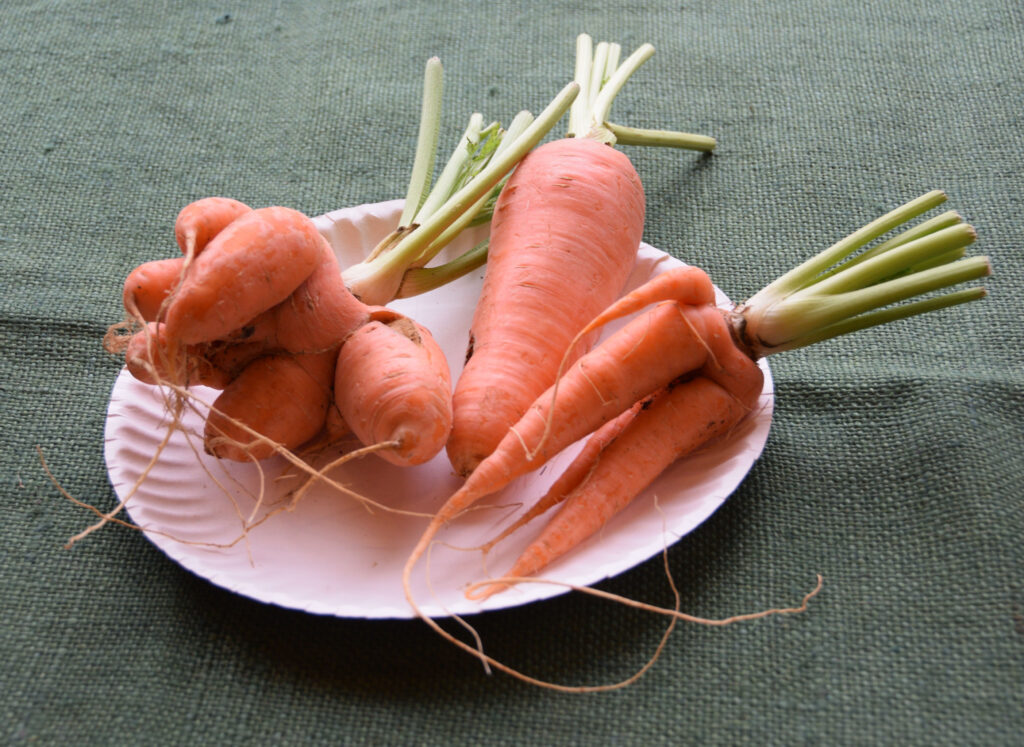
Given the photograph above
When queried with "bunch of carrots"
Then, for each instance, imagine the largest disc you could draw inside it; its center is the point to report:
(257, 306)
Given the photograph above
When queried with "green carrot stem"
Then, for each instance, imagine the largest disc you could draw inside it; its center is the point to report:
(601, 77)
(485, 180)
(897, 259)
(803, 306)
(419, 280)
(426, 141)
(805, 273)
(453, 168)
(377, 281)
(945, 220)
(884, 316)
(480, 212)
(661, 138)
(610, 89)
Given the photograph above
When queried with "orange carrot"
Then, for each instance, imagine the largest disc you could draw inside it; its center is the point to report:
(256, 262)
(283, 398)
(564, 236)
(392, 384)
(149, 285)
(198, 222)
(646, 354)
(547, 275)
(578, 471)
(708, 362)
(688, 416)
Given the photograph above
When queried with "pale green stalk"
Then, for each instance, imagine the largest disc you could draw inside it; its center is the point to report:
(803, 307)
(479, 213)
(417, 280)
(661, 138)
(601, 77)
(469, 182)
(426, 142)
(459, 160)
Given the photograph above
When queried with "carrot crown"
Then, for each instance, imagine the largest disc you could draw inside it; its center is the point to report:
(600, 78)
(844, 289)
(463, 195)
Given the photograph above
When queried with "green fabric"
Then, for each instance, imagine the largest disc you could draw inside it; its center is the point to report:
(894, 466)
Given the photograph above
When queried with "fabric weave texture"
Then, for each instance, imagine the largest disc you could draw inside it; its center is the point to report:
(895, 463)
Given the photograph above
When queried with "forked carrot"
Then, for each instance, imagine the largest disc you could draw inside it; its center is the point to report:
(686, 417)
(200, 221)
(254, 263)
(577, 473)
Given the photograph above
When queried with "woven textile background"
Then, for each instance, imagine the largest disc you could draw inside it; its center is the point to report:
(894, 467)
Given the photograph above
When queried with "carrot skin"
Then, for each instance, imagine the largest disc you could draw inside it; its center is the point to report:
(320, 313)
(392, 383)
(147, 359)
(634, 362)
(198, 222)
(254, 263)
(149, 285)
(564, 237)
(687, 417)
(577, 472)
(688, 285)
(284, 398)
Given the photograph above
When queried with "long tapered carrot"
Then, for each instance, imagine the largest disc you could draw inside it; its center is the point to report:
(546, 277)
(827, 296)
(629, 365)
(578, 471)
(564, 237)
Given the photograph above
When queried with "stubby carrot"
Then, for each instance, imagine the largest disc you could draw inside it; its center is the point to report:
(392, 384)
(276, 401)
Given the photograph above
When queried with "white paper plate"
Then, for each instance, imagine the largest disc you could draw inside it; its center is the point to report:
(330, 555)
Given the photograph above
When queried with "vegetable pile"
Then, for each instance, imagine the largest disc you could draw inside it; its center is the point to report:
(304, 351)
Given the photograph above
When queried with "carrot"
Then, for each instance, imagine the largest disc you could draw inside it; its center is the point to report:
(283, 398)
(708, 365)
(689, 415)
(631, 364)
(392, 384)
(564, 236)
(199, 222)
(149, 285)
(256, 262)
(797, 310)
(577, 473)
